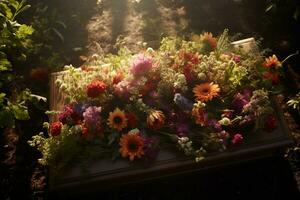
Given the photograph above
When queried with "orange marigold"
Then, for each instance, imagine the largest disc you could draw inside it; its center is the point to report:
(272, 62)
(208, 38)
(206, 91)
(132, 145)
(199, 115)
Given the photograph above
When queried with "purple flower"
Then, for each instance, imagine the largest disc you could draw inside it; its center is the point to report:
(65, 116)
(182, 129)
(215, 124)
(241, 99)
(239, 102)
(92, 115)
(151, 150)
(141, 65)
(247, 93)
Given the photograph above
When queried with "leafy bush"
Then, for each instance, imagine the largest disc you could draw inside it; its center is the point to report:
(15, 44)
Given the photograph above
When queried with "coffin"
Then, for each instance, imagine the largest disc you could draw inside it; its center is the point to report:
(104, 174)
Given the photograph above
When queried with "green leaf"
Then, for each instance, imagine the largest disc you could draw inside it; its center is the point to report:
(113, 137)
(5, 10)
(24, 31)
(5, 65)
(61, 37)
(2, 96)
(6, 118)
(24, 8)
(296, 13)
(20, 112)
(15, 4)
(62, 24)
(270, 7)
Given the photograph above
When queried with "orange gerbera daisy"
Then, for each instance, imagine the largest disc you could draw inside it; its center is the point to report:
(117, 119)
(208, 38)
(206, 91)
(155, 119)
(132, 145)
(272, 62)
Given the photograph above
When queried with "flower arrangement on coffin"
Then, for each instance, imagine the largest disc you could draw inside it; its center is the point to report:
(198, 95)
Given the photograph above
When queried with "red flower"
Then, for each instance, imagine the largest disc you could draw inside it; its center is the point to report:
(237, 139)
(188, 73)
(148, 87)
(131, 120)
(95, 88)
(273, 76)
(189, 57)
(271, 123)
(55, 128)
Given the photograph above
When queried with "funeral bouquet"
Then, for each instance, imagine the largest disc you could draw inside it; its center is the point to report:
(195, 95)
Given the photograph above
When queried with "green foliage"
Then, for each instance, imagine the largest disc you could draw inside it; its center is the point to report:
(17, 109)
(223, 43)
(50, 27)
(15, 41)
(15, 44)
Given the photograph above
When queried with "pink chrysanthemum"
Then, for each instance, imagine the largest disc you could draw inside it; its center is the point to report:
(141, 65)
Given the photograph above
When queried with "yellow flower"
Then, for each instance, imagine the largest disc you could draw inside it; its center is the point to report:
(117, 119)
(155, 119)
(206, 91)
(131, 146)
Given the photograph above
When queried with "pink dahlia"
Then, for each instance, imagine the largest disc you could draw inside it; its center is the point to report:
(237, 139)
(95, 88)
(55, 128)
(122, 89)
(141, 65)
